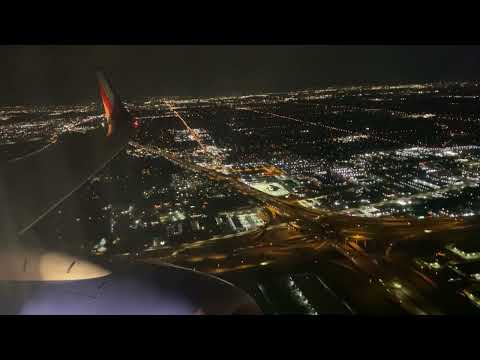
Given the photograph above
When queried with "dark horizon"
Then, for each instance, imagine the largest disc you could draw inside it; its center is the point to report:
(43, 74)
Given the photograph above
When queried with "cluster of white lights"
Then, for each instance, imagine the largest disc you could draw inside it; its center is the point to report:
(300, 297)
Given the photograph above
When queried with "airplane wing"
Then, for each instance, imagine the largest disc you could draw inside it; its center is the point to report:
(32, 186)
(37, 281)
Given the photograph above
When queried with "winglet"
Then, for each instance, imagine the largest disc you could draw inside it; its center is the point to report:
(115, 113)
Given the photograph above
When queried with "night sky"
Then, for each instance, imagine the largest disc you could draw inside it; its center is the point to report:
(65, 74)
